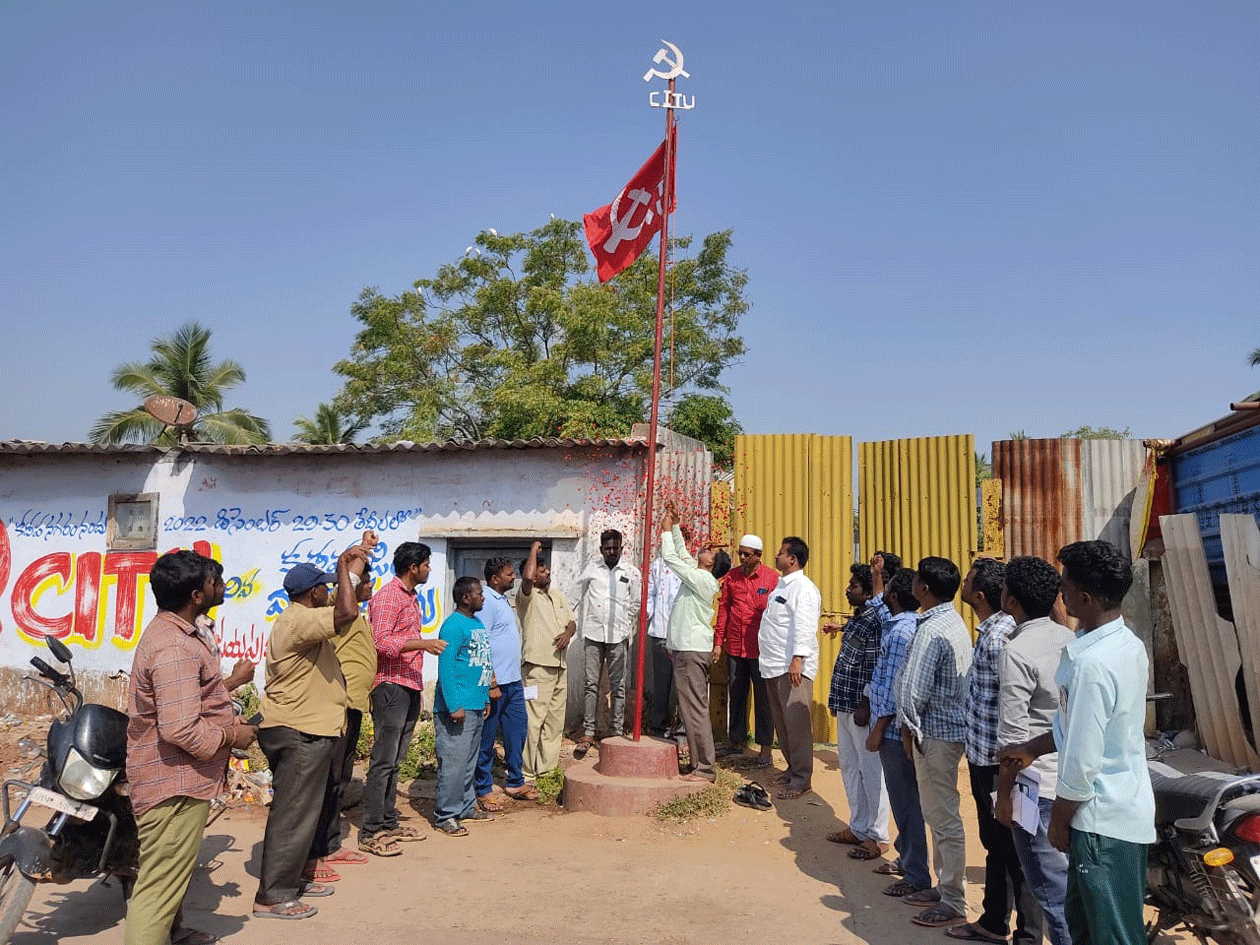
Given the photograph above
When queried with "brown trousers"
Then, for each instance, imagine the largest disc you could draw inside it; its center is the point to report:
(790, 708)
(691, 681)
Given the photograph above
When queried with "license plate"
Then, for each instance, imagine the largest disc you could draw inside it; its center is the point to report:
(51, 799)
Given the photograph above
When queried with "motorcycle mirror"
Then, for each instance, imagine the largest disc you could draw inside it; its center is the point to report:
(58, 649)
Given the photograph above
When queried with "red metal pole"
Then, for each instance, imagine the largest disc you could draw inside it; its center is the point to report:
(649, 538)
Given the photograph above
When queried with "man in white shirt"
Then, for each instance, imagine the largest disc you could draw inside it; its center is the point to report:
(663, 587)
(610, 590)
(788, 641)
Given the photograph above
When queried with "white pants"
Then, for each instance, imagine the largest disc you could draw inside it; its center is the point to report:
(863, 776)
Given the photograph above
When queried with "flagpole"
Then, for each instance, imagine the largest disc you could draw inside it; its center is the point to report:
(649, 537)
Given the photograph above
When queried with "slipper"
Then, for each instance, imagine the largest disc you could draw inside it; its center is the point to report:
(752, 795)
(924, 897)
(791, 794)
(314, 891)
(890, 869)
(781, 779)
(901, 889)
(764, 762)
(285, 910)
(406, 834)
(380, 845)
(970, 932)
(526, 793)
(321, 874)
(844, 836)
(868, 850)
(937, 916)
(582, 747)
(489, 806)
(347, 856)
(192, 937)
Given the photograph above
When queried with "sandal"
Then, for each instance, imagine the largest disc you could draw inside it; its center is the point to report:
(582, 747)
(890, 869)
(321, 874)
(314, 891)
(764, 762)
(791, 794)
(489, 806)
(844, 836)
(293, 909)
(380, 845)
(406, 834)
(901, 889)
(971, 932)
(347, 856)
(868, 850)
(937, 916)
(924, 897)
(781, 779)
(524, 793)
(184, 936)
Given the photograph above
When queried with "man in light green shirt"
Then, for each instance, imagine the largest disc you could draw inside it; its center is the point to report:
(689, 639)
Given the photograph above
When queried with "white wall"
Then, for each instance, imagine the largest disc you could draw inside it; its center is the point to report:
(259, 515)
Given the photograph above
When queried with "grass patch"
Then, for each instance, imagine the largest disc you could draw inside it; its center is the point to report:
(549, 786)
(713, 801)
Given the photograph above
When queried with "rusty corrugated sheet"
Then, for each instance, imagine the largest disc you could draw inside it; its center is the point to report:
(802, 484)
(917, 497)
(1063, 490)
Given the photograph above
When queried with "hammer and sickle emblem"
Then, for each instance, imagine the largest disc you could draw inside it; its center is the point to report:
(675, 65)
(621, 228)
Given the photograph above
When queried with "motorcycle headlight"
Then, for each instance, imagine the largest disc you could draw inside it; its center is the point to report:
(83, 781)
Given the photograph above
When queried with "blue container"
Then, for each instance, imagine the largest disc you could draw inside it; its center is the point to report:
(1221, 477)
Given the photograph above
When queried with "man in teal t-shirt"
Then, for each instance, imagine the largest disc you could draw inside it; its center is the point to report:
(465, 676)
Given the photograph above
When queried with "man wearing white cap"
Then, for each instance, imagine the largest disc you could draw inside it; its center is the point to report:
(742, 599)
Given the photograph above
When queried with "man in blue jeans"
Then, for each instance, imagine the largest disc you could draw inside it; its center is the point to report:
(465, 677)
(507, 709)
(1027, 701)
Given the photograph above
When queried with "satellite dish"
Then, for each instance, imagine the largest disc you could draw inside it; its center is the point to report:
(171, 411)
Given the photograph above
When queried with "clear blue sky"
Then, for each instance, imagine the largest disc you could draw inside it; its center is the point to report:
(956, 217)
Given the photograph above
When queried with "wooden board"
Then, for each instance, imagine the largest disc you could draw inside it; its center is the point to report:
(1240, 536)
(1207, 644)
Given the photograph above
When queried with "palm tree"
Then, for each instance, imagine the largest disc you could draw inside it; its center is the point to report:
(1254, 357)
(181, 367)
(329, 427)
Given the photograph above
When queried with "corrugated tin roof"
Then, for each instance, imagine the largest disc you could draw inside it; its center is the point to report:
(28, 447)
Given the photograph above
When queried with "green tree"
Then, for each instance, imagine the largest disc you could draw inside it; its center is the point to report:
(181, 367)
(328, 428)
(1018, 435)
(710, 419)
(1254, 358)
(984, 468)
(516, 340)
(1095, 433)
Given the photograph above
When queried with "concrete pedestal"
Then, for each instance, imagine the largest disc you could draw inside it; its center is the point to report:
(626, 777)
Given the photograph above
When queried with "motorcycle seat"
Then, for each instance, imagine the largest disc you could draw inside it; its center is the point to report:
(1187, 801)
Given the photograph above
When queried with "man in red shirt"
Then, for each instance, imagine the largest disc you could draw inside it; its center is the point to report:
(394, 614)
(742, 599)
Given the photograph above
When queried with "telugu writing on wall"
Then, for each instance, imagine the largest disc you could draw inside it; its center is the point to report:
(57, 578)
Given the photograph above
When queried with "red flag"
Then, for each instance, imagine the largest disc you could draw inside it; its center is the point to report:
(619, 232)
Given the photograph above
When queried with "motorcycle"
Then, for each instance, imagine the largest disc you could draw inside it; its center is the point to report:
(1204, 868)
(92, 830)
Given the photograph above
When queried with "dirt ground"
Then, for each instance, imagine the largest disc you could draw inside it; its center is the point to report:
(537, 876)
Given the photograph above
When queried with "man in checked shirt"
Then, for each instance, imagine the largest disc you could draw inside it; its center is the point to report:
(394, 614)
(982, 591)
(849, 702)
(930, 708)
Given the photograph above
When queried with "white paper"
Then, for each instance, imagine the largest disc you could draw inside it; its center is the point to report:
(531, 693)
(1024, 808)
